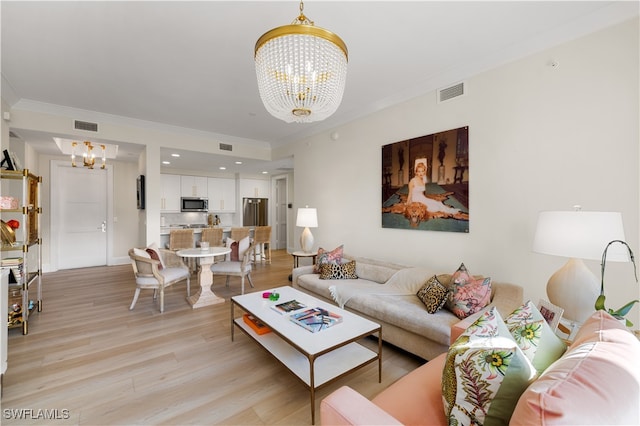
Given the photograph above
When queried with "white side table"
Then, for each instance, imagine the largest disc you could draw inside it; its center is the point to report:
(298, 254)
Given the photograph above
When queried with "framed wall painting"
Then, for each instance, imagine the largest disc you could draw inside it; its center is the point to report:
(425, 182)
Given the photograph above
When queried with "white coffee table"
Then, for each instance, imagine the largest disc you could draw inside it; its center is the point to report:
(205, 296)
(317, 359)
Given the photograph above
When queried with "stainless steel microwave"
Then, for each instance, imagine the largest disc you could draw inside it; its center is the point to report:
(193, 204)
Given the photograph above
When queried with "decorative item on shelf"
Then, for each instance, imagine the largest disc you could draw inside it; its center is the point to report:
(621, 312)
(7, 233)
(577, 235)
(88, 156)
(307, 218)
(301, 71)
(9, 203)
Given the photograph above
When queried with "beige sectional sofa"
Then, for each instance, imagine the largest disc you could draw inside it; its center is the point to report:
(404, 319)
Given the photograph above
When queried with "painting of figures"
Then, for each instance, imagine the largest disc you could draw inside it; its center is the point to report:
(425, 182)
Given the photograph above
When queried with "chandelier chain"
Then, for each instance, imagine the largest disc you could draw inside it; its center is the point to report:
(302, 19)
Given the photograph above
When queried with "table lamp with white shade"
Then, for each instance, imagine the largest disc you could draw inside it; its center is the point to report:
(307, 218)
(577, 235)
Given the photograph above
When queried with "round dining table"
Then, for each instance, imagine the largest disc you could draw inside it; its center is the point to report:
(205, 296)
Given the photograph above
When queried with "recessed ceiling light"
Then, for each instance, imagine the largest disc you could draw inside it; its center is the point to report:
(238, 162)
(166, 162)
(223, 168)
(175, 155)
(265, 173)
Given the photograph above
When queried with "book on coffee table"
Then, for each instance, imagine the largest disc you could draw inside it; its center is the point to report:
(257, 325)
(287, 307)
(315, 319)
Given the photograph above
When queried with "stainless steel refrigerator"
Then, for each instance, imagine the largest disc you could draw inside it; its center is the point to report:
(255, 211)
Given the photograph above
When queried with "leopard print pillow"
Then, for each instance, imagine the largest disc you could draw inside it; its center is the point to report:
(433, 294)
(338, 271)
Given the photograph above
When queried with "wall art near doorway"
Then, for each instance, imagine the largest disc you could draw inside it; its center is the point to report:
(425, 182)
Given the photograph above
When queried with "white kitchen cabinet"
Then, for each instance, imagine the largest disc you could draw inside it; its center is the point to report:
(222, 195)
(255, 188)
(193, 186)
(170, 193)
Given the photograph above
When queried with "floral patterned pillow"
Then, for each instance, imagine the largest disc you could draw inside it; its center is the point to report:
(467, 295)
(484, 374)
(534, 336)
(333, 256)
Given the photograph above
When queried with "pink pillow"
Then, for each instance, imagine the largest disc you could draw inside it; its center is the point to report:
(333, 256)
(595, 382)
(467, 295)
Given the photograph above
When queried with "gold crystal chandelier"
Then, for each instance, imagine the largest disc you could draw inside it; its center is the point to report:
(301, 70)
(88, 156)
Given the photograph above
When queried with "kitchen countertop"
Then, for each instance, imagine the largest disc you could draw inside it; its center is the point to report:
(165, 230)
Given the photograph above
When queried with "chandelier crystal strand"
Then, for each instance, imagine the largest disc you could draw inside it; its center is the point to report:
(104, 156)
(301, 71)
(73, 154)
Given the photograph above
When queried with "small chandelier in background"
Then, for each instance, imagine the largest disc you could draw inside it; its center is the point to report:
(88, 156)
(301, 71)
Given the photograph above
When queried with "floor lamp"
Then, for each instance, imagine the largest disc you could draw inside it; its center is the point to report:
(307, 218)
(577, 235)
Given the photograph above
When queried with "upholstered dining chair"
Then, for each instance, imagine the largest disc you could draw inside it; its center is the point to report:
(157, 274)
(262, 240)
(238, 268)
(239, 233)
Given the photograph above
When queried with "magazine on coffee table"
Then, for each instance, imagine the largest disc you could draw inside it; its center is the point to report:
(289, 306)
(315, 319)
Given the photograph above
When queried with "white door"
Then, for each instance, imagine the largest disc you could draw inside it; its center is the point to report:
(79, 216)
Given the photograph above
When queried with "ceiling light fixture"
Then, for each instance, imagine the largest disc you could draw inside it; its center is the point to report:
(88, 156)
(301, 70)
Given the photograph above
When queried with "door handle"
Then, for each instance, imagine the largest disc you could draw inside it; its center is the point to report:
(103, 227)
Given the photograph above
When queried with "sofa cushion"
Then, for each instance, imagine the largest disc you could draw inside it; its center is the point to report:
(534, 336)
(406, 312)
(595, 382)
(485, 373)
(433, 294)
(421, 385)
(324, 256)
(338, 271)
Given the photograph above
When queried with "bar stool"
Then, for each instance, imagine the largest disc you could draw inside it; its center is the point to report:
(214, 237)
(239, 233)
(182, 239)
(262, 237)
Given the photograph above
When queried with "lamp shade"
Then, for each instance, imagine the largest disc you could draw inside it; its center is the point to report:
(580, 234)
(307, 217)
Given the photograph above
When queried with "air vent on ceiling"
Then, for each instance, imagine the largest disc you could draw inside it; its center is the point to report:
(85, 125)
(13, 135)
(226, 147)
(451, 92)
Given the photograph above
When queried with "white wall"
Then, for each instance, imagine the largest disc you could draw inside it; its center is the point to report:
(540, 137)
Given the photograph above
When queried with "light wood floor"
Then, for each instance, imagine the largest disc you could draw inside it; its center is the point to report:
(88, 354)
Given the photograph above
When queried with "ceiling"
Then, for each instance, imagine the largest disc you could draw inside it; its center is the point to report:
(190, 64)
